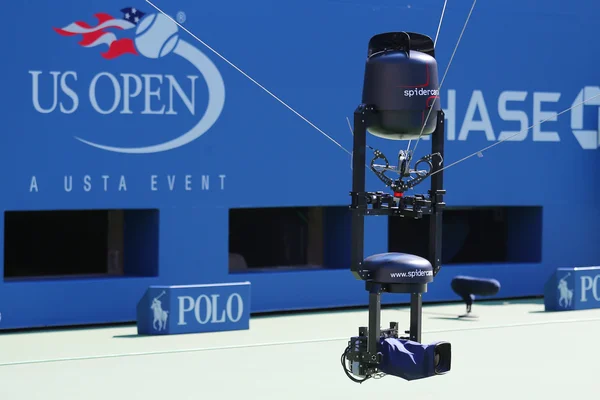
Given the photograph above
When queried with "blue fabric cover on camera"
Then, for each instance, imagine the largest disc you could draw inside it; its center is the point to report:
(406, 359)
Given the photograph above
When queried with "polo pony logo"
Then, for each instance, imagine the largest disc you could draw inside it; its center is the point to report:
(160, 315)
(566, 294)
(151, 36)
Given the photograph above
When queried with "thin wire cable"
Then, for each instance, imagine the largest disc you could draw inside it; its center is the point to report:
(480, 152)
(352, 133)
(445, 73)
(440, 25)
(437, 34)
(350, 126)
(250, 78)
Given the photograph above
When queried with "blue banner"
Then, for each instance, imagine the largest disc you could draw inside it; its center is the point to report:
(187, 115)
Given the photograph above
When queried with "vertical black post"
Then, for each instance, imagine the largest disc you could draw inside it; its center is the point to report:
(358, 186)
(416, 304)
(437, 183)
(374, 318)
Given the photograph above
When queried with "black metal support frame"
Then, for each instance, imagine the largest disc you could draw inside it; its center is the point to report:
(377, 203)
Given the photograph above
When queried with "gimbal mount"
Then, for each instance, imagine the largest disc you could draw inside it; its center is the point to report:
(362, 351)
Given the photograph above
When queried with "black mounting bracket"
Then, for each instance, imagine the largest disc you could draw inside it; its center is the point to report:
(396, 204)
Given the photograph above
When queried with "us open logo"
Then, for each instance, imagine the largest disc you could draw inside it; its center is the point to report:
(154, 36)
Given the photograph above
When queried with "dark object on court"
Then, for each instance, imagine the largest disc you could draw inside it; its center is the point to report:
(467, 287)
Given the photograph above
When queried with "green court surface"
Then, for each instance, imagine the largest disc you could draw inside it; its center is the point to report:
(513, 351)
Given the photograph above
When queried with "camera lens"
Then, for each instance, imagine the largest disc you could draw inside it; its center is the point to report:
(441, 358)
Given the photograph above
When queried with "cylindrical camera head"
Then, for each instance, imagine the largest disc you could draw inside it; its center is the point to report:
(401, 82)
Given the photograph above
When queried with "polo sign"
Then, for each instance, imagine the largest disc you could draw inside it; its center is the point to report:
(573, 289)
(169, 310)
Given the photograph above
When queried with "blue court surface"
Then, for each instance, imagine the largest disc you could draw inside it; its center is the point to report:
(513, 350)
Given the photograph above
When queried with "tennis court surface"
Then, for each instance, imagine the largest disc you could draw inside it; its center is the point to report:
(513, 350)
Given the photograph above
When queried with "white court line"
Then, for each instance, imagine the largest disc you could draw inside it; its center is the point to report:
(288, 343)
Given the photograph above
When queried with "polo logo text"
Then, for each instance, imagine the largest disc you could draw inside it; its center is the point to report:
(211, 308)
(590, 288)
(169, 310)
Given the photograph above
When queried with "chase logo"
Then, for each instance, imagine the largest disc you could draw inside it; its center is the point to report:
(134, 35)
(588, 139)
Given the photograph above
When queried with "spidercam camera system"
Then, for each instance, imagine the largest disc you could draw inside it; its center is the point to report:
(399, 102)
